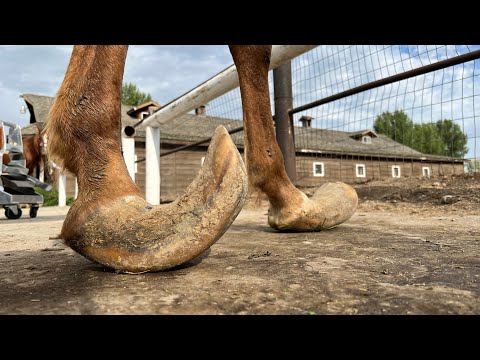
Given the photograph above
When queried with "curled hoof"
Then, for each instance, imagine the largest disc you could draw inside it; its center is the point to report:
(131, 236)
(331, 205)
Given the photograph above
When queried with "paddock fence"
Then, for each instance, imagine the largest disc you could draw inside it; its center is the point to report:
(350, 113)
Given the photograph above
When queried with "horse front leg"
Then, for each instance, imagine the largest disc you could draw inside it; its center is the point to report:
(110, 222)
(290, 209)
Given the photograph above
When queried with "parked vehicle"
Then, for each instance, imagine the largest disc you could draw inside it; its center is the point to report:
(16, 186)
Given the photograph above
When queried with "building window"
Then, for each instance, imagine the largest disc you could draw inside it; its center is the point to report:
(360, 170)
(426, 171)
(396, 171)
(366, 139)
(203, 159)
(318, 169)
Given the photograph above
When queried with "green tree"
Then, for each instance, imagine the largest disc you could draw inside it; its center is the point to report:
(397, 126)
(427, 140)
(132, 96)
(453, 138)
(441, 138)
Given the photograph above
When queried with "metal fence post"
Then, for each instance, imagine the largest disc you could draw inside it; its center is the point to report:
(282, 85)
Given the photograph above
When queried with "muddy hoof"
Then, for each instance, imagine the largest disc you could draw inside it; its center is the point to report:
(331, 205)
(131, 236)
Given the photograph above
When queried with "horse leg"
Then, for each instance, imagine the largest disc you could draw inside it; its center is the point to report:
(110, 222)
(290, 209)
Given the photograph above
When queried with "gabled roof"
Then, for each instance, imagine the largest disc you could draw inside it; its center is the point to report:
(192, 128)
(142, 107)
(39, 106)
(359, 134)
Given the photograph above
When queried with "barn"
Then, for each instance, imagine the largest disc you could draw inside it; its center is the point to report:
(321, 155)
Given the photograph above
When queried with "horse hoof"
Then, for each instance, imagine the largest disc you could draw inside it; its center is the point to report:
(131, 236)
(331, 205)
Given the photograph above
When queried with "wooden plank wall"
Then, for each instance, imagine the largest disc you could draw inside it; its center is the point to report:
(344, 169)
(179, 169)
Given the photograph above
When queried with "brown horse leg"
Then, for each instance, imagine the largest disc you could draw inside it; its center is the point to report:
(109, 222)
(290, 209)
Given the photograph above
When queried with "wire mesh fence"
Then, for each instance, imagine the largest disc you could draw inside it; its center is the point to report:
(431, 118)
(424, 125)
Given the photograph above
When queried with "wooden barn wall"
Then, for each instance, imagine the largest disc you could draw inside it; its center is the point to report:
(179, 169)
(344, 169)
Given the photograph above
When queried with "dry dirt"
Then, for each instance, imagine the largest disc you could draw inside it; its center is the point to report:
(403, 252)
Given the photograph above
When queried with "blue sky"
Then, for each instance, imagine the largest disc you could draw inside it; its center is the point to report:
(168, 71)
(451, 93)
(163, 71)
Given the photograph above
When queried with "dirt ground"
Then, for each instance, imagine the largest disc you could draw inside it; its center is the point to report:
(403, 252)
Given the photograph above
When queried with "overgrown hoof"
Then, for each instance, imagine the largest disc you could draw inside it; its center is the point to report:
(331, 205)
(131, 236)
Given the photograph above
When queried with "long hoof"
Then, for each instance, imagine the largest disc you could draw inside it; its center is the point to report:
(331, 205)
(131, 236)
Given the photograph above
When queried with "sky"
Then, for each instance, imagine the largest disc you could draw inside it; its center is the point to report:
(167, 71)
